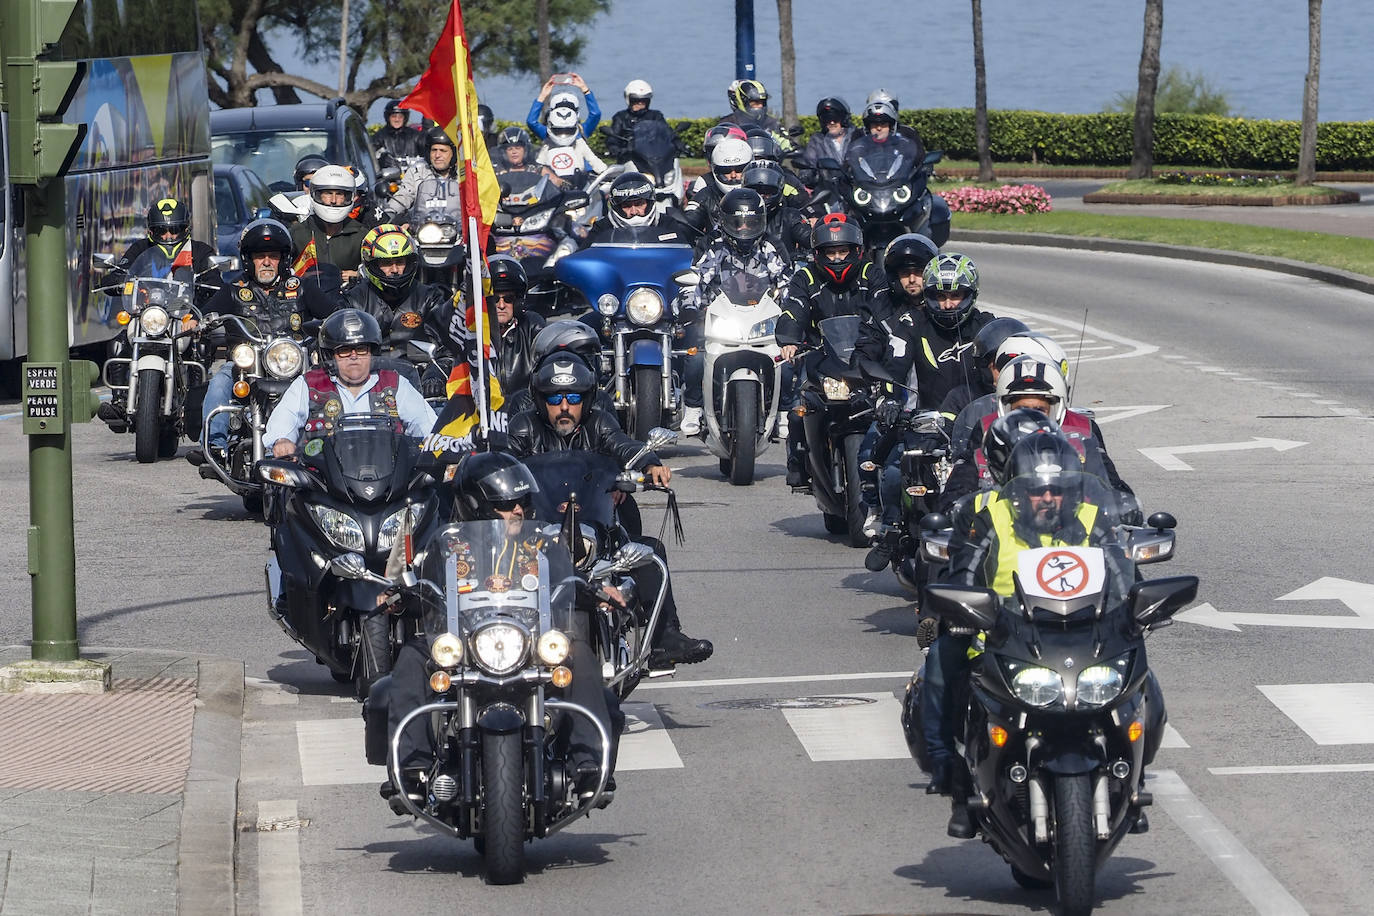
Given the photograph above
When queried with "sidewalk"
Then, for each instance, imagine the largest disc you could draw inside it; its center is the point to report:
(123, 802)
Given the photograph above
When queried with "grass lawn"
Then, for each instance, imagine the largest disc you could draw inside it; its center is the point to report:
(1339, 251)
(1152, 188)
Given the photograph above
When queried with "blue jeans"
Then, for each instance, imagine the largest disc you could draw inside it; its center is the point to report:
(946, 661)
(218, 393)
(694, 366)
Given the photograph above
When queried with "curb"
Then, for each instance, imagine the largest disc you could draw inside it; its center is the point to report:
(1343, 278)
(1011, 170)
(1233, 200)
(209, 811)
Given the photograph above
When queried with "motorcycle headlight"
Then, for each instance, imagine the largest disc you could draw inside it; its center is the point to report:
(1098, 685)
(386, 535)
(447, 650)
(154, 321)
(836, 389)
(553, 647)
(283, 358)
(537, 222)
(341, 528)
(430, 234)
(244, 356)
(862, 197)
(645, 306)
(499, 647)
(1037, 686)
(902, 194)
(608, 304)
(763, 328)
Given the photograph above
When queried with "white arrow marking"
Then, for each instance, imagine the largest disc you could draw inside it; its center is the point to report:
(1166, 456)
(1206, 615)
(1358, 596)
(1122, 413)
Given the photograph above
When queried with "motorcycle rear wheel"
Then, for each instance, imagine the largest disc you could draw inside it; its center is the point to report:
(147, 416)
(503, 808)
(1075, 846)
(744, 407)
(646, 401)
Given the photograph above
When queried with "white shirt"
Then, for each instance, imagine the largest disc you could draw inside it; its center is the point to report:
(293, 409)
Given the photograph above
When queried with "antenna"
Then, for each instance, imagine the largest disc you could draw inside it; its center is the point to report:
(1079, 355)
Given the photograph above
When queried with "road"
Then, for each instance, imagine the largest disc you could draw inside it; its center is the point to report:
(738, 794)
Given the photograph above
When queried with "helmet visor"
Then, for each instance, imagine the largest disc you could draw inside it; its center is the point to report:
(744, 225)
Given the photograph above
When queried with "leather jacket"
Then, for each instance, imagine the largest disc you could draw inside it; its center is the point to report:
(531, 434)
(515, 352)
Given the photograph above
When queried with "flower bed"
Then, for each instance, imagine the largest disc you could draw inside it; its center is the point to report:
(1010, 198)
(1215, 179)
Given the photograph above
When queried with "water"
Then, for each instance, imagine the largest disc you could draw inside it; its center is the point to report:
(1046, 55)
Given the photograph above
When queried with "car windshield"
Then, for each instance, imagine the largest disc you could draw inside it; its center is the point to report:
(273, 154)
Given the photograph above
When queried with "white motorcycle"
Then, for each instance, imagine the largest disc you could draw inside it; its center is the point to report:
(743, 374)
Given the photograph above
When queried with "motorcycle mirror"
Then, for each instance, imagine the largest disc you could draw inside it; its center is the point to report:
(933, 157)
(934, 521)
(632, 556)
(1162, 520)
(602, 569)
(1156, 600)
(103, 259)
(222, 262)
(575, 200)
(687, 277)
(390, 173)
(420, 351)
(349, 566)
(659, 437)
(963, 607)
(820, 197)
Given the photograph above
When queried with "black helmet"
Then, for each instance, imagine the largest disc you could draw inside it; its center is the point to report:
(742, 92)
(767, 179)
(991, 335)
(394, 107)
(562, 372)
(763, 145)
(308, 164)
(487, 480)
(486, 119)
(265, 235)
(1005, 432)
(743, 217)
(1039, 462)
(832, 109)
(507, 273)
(567, 335)
(349, 327)
(436, 136)
(832, 231)
(169, 214)
(627, 187)
(911, 251)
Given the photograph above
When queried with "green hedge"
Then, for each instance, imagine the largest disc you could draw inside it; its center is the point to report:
(1105, 139)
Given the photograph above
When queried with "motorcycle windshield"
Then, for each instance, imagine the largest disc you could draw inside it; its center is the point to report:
(437, 200)
(366, 449)
(840, 335)
(654, 144)
(744, 289)
(613, 267)
(523, 190)
(153, 280)
(505, 583)
(584, 479)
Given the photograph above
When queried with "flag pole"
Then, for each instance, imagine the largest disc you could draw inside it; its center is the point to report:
(479, 321)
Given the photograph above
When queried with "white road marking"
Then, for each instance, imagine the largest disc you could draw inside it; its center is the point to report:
(331, 753)
(784, 679)
(1134, 347)
(279, 859)
(1166, 456)
(1241, 868)
(1296, 770)
(645, 745)
(1358, 596)
(1329, 713)
(869, 731)
(1172, 738)
(1122, 413)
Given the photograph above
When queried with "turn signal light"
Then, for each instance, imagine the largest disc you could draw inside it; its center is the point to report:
(562, 676)
(1135, 731)
(240, 389)
(124, 317)
(187, 320)
(440, 682)
(998, 734)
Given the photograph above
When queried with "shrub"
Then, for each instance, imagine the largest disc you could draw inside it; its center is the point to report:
(1010, 198)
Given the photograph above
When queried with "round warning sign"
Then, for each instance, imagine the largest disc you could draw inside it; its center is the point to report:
(562, 162)
(1062, 574)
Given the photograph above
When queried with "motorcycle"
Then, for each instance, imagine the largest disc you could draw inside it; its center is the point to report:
(355, 492)
(1062, 713)
(652, 150)
(743, 374)
(530, 204)
(889, 196)
(628, 285)
(497, 601)
(836, 410)
(436, 222)
(160, 321)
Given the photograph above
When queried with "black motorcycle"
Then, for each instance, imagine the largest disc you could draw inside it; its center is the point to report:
(357, 491)
(1061, 714)
(887, 193)
(836, 410)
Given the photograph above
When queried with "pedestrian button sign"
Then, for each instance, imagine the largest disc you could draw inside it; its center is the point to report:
(1061, 573)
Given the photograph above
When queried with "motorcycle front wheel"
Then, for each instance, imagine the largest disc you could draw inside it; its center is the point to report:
(1075, 847)
(646, 401)
(744, 409)
(147, 416)
(503, 808)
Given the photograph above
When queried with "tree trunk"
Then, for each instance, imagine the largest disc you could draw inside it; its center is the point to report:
(789, 63)
(1143, 132)
(545, 53)
(1307, 152)
(980, 98)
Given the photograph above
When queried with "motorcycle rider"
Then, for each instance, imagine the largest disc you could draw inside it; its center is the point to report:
(516, 326)
(390, 269)
(906, 130)
(565, 155)
(729, 159)
(515, 153)
(486, 125)
(496, 485)
(840, 282)
(787, 228)
(743, 246)
(880, 132)
(395, 140)
(749, 108)
(441, 162)
(330, 232)
(620, 138)
(533, 120)
(268, 292)
(632, 217)
(349, 342)
(833, 139)
(564, 418)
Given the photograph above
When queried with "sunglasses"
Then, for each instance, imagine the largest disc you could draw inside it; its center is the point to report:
(351, 351)
(508, 505)
(572, 397)
(1045, 490)
(512, 298)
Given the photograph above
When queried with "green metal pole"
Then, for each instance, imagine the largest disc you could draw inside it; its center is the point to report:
(52, 543)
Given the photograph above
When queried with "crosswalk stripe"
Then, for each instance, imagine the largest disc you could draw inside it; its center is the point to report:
(868, 731)
(1329, 713)
(646, 744)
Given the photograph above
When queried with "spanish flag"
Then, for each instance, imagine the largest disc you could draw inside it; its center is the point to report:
(307, 259)
(446, 94)
(460, 418)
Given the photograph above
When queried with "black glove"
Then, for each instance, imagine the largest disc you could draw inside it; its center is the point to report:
(887, 412)
(433, 384)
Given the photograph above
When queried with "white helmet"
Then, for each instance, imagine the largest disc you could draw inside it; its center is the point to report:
(331, 178)
(1030, 376)
(730, 155)
(1034, 344)
(882, 95)
(636, 90)
(562, 126)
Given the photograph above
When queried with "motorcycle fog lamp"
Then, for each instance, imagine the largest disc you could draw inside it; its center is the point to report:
(446, 651)
(430, 234)
(243, 356)
(553, 647)
(607, 304)
(1037, 686)
(1099, 685)
(341, 528)
(440, 682)
(836, 389)
(902, 194)
(154, 321)
(283, 358)
(499, 647)
(644, 306)
(862, 197)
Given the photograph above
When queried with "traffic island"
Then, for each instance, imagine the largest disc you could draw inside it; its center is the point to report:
(33, 676)
(1218, 190)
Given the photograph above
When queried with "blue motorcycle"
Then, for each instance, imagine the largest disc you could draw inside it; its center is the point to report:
(630, 285)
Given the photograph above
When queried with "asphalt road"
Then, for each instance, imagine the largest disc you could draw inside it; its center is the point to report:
(734, 796)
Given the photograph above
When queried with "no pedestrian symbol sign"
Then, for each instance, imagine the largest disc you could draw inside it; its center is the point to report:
(1062, 574)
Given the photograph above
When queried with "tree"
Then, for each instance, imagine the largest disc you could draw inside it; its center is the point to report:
(980, 98)
(789, 63)
(395, 34)
(541, 22)
(1307, 149)
(1143, 131)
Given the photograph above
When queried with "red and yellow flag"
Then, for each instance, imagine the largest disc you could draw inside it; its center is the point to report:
(446, 94)
(308, 259)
